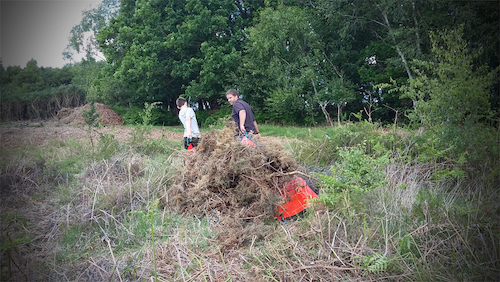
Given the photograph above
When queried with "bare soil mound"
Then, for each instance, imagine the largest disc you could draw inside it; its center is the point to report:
(237, 187)
(106, 115)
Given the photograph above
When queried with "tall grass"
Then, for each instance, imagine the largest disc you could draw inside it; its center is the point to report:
(432, 217)
(389, 209)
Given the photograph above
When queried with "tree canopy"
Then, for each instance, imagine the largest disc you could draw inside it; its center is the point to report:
(295, 62)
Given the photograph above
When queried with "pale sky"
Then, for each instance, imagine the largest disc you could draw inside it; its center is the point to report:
(38, 30)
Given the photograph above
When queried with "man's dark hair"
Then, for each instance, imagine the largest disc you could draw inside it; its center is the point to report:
(180, 101)
(233, 92)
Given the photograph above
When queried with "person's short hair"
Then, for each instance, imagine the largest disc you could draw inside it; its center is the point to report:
(233, 92)
(180, 101)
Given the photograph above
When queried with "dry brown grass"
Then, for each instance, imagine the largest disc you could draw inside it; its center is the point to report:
(216, 219)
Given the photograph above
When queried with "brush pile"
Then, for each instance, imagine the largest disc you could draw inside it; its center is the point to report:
(235, 186)
(106, 115)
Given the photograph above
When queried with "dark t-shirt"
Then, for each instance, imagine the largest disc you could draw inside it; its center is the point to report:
(237, 107)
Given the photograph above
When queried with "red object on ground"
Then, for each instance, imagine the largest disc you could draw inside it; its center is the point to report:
(190, 146)
(246, 141)
(298, 194)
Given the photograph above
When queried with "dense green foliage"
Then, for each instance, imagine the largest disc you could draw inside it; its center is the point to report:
(451, 96)
(295, 62)
(39, 93)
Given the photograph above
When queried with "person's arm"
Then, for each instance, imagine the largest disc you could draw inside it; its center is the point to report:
(256, 127)
(243, 117)
(188, 126)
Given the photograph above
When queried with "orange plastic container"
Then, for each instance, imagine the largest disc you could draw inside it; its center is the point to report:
(298, 194)
(246, 141)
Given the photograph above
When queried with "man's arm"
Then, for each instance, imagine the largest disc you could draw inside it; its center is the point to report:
(243, 116)
(256, 127)
(188, 126)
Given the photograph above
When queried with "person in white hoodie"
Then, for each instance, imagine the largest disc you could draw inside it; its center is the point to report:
(188, 118)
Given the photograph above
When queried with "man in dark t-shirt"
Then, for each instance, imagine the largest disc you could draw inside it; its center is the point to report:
(242, 114)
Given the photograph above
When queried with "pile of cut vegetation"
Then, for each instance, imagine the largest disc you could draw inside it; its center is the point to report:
(107, 115)
(235, 186)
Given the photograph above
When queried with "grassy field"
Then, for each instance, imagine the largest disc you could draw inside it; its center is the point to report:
(391, 206)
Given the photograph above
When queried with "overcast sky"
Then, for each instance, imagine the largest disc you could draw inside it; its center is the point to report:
(38, 30)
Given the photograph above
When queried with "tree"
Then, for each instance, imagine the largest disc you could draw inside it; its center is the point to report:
(451, 93)
(452, 89)
(285, 46)
(11, 107)
(30, 78)
(85, 73)
(162, 50)
(372, 42)
(110, 90)
(316, 52)
(54, 77)
(82, 36)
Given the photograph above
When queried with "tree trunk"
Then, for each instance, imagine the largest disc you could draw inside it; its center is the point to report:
(329, 120)
(323, 107)
(415, 21)
(400, 53)
(339, 111)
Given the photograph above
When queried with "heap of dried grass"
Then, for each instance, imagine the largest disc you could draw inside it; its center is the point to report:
(237, 186)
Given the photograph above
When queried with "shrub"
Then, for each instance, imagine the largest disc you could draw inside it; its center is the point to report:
(354, 174)
(134, 116)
